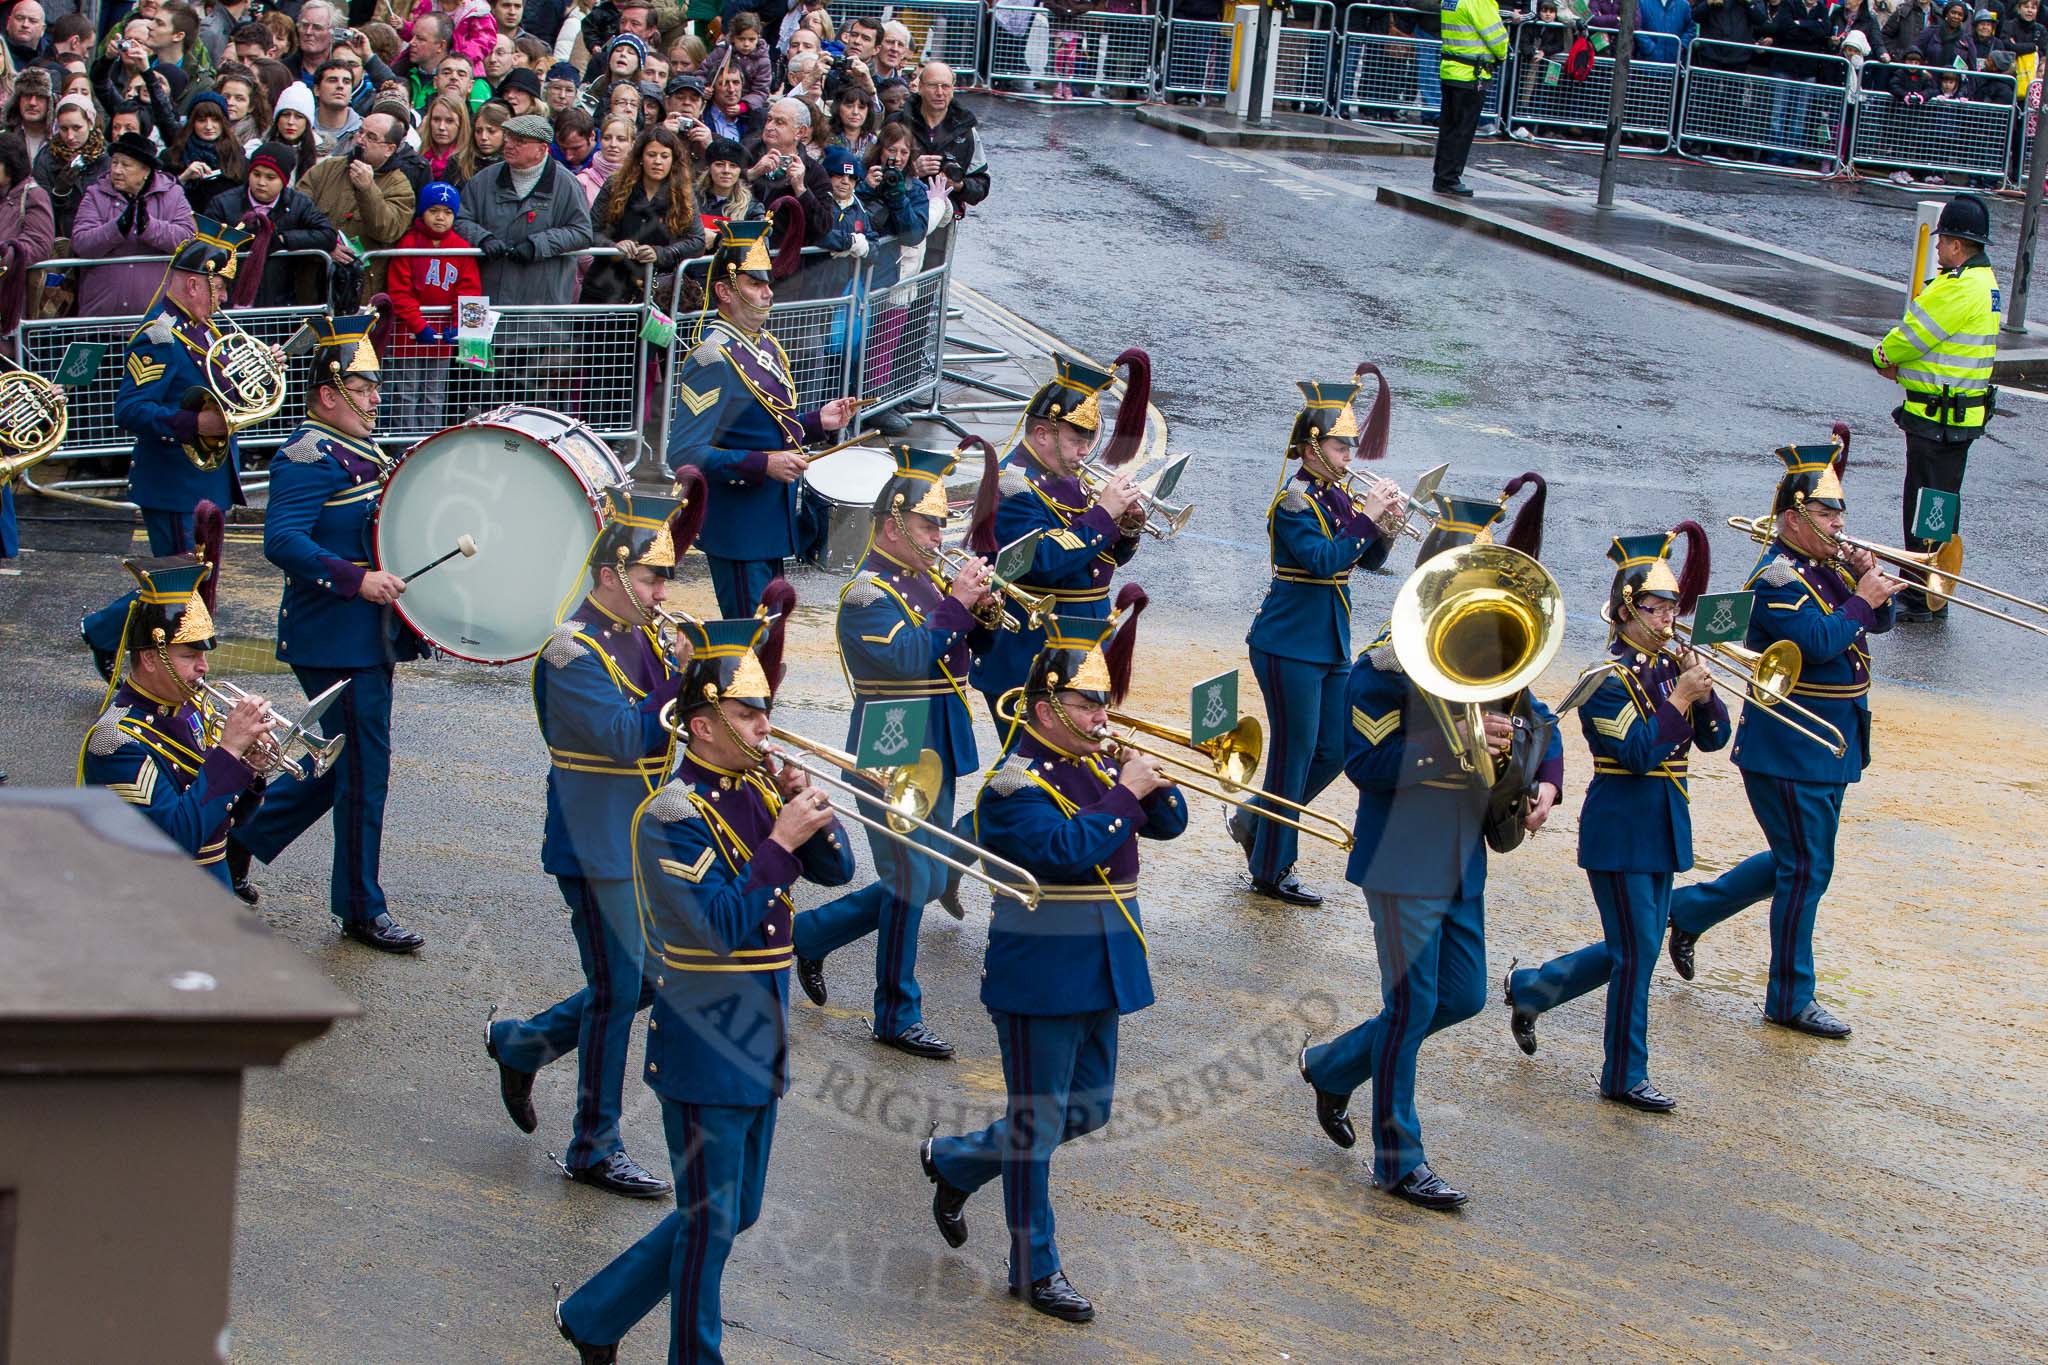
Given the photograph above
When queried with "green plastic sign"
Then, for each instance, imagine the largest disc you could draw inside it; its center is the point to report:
(1212, 707)
(81, 363)
(891, 733)
(1721, 618)
(1936, 514)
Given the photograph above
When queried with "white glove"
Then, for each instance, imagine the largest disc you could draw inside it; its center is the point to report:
(859, 248)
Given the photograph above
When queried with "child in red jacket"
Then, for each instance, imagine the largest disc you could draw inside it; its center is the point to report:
(423, 292)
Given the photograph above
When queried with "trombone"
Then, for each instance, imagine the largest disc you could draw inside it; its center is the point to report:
(1155, 517)
(1766, 676)
(1233, 759)
(243, 381)
(1939, 566)
(906, 794)
(290, 749)
(33, 419)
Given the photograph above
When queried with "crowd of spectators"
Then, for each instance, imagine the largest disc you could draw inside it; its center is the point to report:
(526, 132)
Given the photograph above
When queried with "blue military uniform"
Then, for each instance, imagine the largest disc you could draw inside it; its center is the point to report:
(737, 403)
(1301, 637)
(599, 687)
(1635, 829)
(161, 754)
(163, 363)
(1056, 979)
(714, 897)
(1796, 786)
(901, 637)
(324, 487)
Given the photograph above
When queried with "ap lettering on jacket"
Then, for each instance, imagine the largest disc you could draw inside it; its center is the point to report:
(440, 274)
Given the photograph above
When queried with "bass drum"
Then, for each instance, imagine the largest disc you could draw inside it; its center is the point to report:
(840, 492)
(528, 486)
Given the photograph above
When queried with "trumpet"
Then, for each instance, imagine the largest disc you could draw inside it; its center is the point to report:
(33, 419)
(1939, 567)
(905, 795)
(244, 382)
(1233, 760)
(1149, 513)
(1400, 521)
(290, 749)
(995, 612)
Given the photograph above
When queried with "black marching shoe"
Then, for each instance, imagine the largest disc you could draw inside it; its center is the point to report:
(949, 900)
(1289, 889)
(386, 935)
(919, 1041)
(238, 872)
(949, 1203)
(1646, 1097)
(1681, 947)
(1333, 1112)
(586, 1353)
(621, 1174)
(1816, 1020)
(1456, 187)
(1054, 1297)
(515, 1087)
(1426, 1189)
(1521, 1022)
(810, 974)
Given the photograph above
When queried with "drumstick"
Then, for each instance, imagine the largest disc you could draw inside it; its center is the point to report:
(464, 546)
(861, 439)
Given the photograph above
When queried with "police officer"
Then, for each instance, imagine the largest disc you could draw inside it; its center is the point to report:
(739, 423)
(1057, 979)
(1652, 709)
(1037, 486)
(598, 688)
(1420, 858)
(903, 633)
(717, 852)
(1474, 44)
(336, 623)
(184, 453)
(1829, 602)
(1941, 353)
(160, 744)
(1301, 637)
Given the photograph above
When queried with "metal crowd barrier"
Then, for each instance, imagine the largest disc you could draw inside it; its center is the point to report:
(1390, 76)
(1967, 137)
(1798, 124)
(948, 31)
(1556, 109)
(1099, 51)
(1306, 49)
(1198, 57)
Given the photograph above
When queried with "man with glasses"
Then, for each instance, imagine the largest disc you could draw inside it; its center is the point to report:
(365, 195)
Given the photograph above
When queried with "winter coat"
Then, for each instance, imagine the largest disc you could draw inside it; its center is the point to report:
(28, 234)
(430, 282)
(904, 216)
(64, 179)
(1908, 24)
(200, 193)
(375, 217)
(113, 290)
(1802, 30)
(1840, 25)
(2021, 36)
(554, 218)
(758, 68)
(1728, 21)
(1662, 28)
(958, 137)
(1943, 47)
(642, 220)
(297, 225)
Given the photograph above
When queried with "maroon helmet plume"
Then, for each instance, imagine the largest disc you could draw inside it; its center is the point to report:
(208, 530)
(256, 255)
(778, 600)
(788, 213)
(1841, 433)
(1129, 432)
(1693, 579)
(380, 330)
(981, 524)
(689, 518)
(1526, 534)
(1372, 441)
(1130, 602)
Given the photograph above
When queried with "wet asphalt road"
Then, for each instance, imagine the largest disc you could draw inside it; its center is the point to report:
(1874, 1201)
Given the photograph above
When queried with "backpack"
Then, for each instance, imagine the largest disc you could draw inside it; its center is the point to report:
(1578, 63)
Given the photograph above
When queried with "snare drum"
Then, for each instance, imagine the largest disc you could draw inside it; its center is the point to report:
(841, 490)
(528, 485)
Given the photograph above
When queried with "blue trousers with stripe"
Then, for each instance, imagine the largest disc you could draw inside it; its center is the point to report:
(1306, 711)
(892, 909)
(10, 530)
(597, 1021)
(738, 583)
(353, 789)
(1060, 1071)
(1799, 821)
(719, 1156)
(1633, 910)
(1432, 954)
(170, 533)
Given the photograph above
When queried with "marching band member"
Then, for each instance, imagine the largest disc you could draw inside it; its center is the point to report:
(598, 688)
(1301, 637)
(1420, 858)
(740, 424)
(1635, 830)
(1037, 486)
(335, 622)
(903, 633)
(160, 744)
(1828, 601)
(1056, 979)
(717, 852)
(184, 453)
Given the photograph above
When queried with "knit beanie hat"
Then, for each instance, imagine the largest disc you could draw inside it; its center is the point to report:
(296, 99)
(436, 195)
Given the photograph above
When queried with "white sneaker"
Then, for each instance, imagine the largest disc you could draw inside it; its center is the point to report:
(1521, 135)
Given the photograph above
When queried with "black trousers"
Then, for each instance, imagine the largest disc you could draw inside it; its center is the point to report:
(1929, 464)
(1456, 122)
